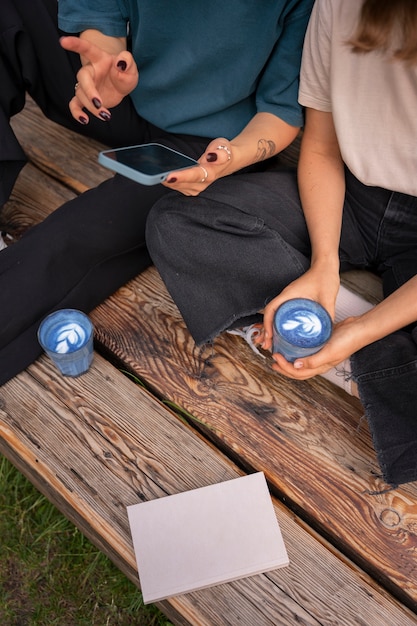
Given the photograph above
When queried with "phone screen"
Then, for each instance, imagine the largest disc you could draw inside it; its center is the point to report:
(150, 159)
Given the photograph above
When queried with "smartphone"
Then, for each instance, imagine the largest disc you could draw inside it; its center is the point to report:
(148, 164)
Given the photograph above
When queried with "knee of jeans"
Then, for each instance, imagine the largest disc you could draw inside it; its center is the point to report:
(398, 350)
(162, 222)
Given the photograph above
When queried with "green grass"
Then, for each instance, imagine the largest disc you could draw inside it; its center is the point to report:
(50, 574)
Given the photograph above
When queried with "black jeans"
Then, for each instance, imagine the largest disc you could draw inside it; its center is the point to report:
(244, 239)
(92, 245)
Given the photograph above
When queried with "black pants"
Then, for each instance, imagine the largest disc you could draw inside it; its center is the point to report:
(244, 239)
(93, 244)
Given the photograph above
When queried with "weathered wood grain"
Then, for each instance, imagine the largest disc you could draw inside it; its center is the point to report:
(61, 154)
(98, 443)
(308, 437)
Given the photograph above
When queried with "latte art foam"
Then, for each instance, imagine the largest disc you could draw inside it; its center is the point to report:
(305, 324)
(301, 327)
(69, 337)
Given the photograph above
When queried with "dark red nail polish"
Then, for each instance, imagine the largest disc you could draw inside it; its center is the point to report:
(105, 116)
(96, 103)
(83, 120)
(122, 65)
(172, 180)
(211, 156)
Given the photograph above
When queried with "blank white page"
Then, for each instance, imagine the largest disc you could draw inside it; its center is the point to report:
(205, 536)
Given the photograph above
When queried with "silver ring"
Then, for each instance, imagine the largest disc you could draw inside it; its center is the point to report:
(76, 86)
(226, 149)
(203, 180)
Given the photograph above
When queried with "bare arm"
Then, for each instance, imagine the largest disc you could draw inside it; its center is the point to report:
(265, 136)
(321, 181)
(322, 190)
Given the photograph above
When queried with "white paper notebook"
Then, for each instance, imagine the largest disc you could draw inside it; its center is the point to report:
(205, 536)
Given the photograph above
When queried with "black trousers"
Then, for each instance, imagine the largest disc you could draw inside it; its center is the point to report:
(243, 240)
(93, 244)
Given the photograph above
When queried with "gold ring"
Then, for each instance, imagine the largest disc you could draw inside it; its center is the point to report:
(203, 180)
(227, 150)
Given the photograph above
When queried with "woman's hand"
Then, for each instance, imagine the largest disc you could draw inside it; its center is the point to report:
(345, 340)
(264, 136)
(217, 161)
(316, 284)
(107, 75)
(396, 311)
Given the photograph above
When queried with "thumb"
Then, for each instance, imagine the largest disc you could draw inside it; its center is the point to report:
(83, 47)
(314, 362)
(124, 62)
(218, 151)
(125, 72)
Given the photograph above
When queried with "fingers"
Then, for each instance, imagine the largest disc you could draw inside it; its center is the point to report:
(83, 47)
(191, 175)
(125, 64)
(124, 73)
(190, 181)
(83, 101)
(268, 321)
(293, 370)
(103, 80)
(77, 111)
(205, 174)
(90, 98)
(193, 181)
(219, 151)
(309, 366)
(86, 95)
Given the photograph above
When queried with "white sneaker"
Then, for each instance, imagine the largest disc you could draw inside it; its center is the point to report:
(249, 333)
(341, 376)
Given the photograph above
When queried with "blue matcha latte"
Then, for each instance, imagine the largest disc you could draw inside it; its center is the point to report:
(301, 328)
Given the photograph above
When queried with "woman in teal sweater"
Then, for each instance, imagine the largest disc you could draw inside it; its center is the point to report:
(220, 85)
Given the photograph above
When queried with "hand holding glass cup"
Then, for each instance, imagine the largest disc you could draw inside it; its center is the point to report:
(301, 328)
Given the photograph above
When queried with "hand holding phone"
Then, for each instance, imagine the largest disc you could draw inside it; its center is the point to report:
(148, 164)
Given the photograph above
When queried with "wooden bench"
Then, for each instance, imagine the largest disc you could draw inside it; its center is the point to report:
(351, 540)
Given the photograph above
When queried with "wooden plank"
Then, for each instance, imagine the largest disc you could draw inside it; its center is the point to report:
(58, 152)
(308, 437)
(304, 435)
(97, 443)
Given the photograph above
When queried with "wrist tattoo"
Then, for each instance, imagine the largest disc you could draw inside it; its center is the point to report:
(266, 149)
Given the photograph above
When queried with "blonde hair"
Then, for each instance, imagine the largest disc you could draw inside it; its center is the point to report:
(383, 23)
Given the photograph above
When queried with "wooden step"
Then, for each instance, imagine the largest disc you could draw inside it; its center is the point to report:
(308, 437)
(97, 443)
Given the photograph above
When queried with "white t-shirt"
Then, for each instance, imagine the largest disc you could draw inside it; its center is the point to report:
(373, 99)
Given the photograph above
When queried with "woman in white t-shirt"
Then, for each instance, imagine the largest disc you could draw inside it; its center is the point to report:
(359, 84)
(357, 182)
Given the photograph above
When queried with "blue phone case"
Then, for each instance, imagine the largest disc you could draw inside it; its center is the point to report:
(148, 164)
